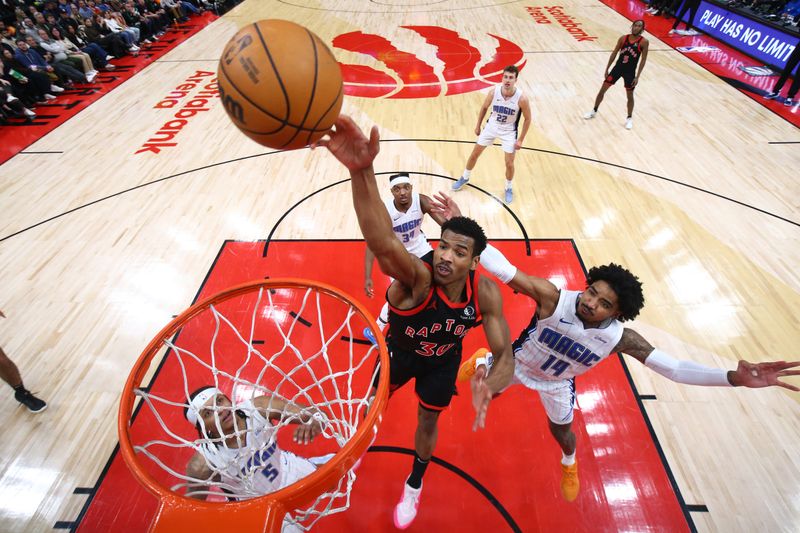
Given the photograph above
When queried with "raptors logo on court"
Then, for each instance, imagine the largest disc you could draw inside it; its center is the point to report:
(463, 69)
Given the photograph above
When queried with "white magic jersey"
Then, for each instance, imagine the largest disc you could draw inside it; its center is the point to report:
(558, 347)
(259, 467)
(505, 112)
(408, 226)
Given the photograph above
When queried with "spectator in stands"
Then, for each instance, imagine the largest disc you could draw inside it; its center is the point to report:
(28, 29)
(52, 22)
(790, 16)
(768, 7)
(136, 20)
(65, 7)
(658, 7)
(78, 60)
(39, 80)
(113, 42)
(189, 7)
(11, 105)
(153, 11)
(7, 12)
(84, 11)
(66, 22)
(117, 25)
(97, 54)
(691, 6)
(7, 35)
(41, 23)
(102, 7)
(127, 37)
(173, 11)
(30, 57)
(22, 87)
(50, 8)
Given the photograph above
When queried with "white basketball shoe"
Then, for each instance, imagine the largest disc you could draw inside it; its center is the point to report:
(406, 510)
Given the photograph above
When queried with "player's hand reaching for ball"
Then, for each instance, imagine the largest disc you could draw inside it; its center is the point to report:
(445, 206)
(757, 375)
(349, 145)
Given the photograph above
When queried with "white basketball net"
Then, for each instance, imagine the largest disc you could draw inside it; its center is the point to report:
(282, 348)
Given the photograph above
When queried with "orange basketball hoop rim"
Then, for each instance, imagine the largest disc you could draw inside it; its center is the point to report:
(265, 513)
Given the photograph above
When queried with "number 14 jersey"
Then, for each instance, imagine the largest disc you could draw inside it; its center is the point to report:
(559, 347)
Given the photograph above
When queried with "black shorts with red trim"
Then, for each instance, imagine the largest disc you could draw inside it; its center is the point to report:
(626, 74)
(435, 376)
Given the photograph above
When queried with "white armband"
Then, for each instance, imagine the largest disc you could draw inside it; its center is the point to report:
(497, 264)
(687, 372)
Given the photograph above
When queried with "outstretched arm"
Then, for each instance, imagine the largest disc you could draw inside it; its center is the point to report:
(369, 259)
(542, 290)
(751, 375)
(352, 148)
(276, 409)
(496, 329)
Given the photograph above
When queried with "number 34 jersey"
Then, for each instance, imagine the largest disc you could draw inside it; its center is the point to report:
(558, 347)
(408, 226)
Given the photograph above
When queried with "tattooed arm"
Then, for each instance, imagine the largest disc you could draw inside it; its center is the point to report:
(753, 375)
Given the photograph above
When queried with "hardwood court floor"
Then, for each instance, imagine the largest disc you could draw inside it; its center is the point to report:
(694, 200)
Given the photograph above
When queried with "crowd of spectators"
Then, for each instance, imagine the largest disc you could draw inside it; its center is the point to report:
(48, 46)
(784, 13)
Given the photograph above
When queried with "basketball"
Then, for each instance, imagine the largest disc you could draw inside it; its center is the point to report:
(280, 84)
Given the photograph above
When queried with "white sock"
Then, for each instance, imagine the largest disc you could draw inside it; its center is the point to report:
(567, 460)
(466, 174)
(508, 185)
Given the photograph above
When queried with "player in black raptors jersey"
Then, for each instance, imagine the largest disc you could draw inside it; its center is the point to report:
(631, 49)
(434, 301)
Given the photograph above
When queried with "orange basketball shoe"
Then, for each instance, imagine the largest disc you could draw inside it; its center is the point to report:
(569, 482)
(468, 367)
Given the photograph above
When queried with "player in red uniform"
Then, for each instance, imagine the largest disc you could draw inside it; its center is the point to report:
(631, 48)
(433, 302)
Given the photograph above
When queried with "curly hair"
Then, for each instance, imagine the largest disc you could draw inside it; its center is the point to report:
(627, 287)
(469, 228)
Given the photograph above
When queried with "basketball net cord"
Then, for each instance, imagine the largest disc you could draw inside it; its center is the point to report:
(334, 404)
